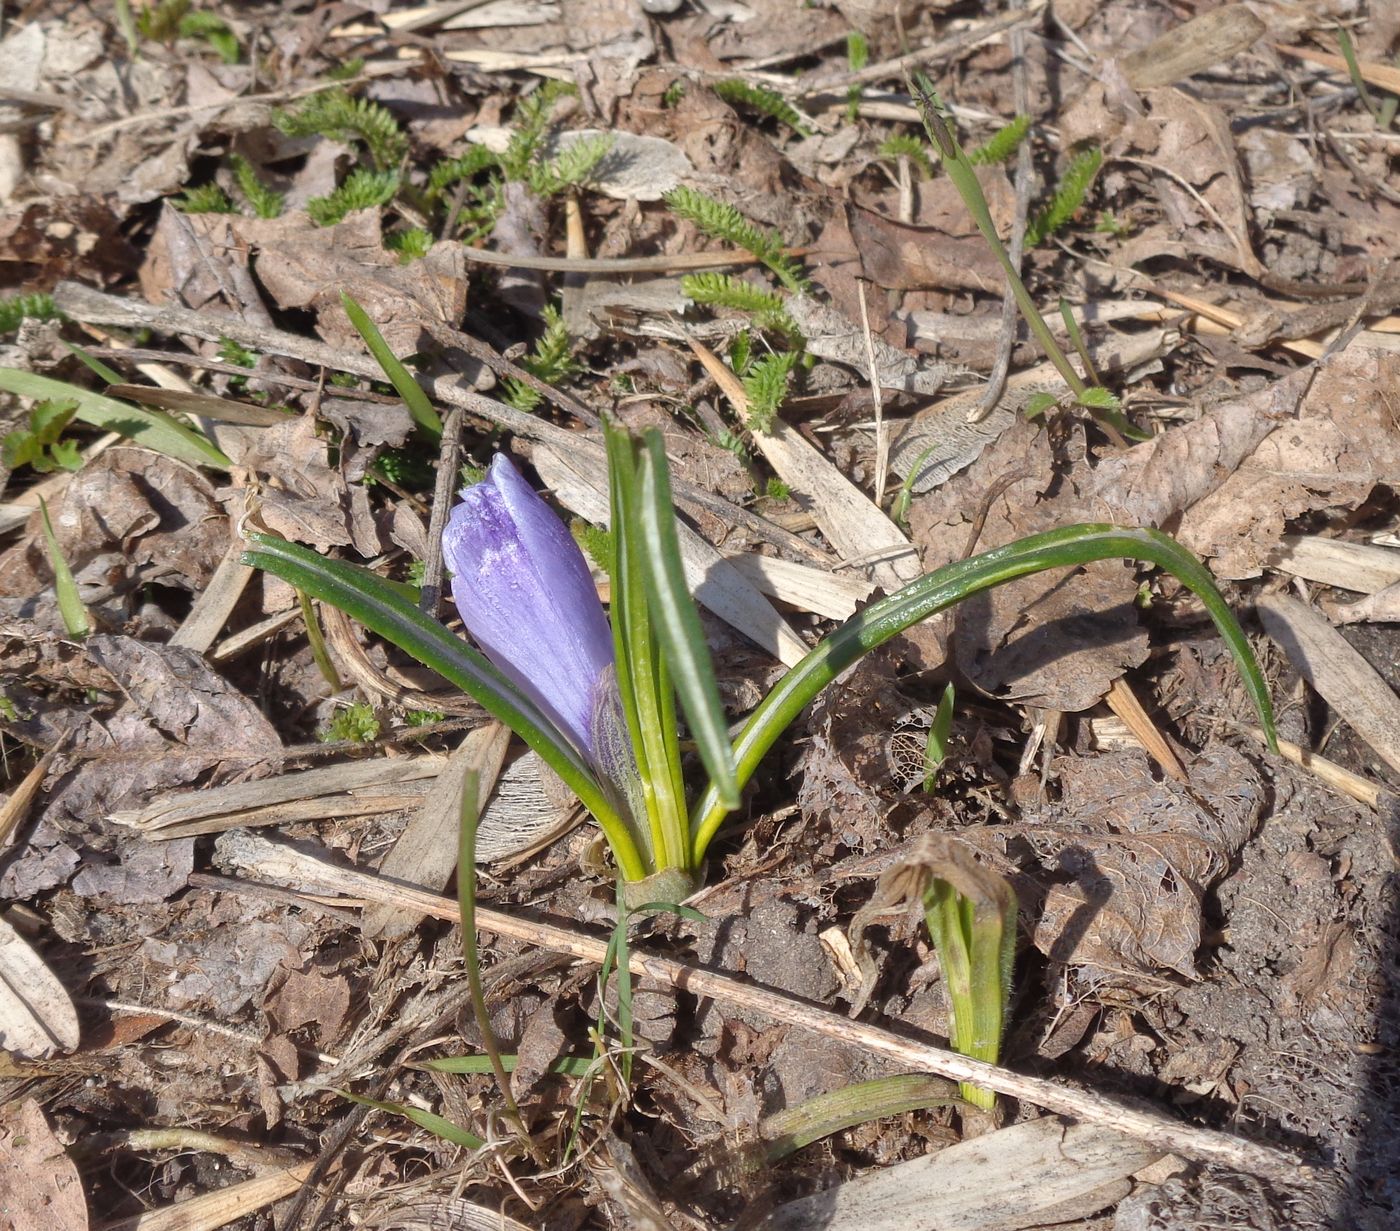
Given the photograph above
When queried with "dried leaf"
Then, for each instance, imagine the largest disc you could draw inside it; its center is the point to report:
(37, 1017)
(40, 1182)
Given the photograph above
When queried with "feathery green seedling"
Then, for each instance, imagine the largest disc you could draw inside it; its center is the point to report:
(1002, 144)
(572, 167)
(355, 724)
(902, 145)
(205, 199)
(720, 290)
(263, 201)
(71, 608)
(347, 71)
(673, 93)
(964, 179)
(337, 115)
(763, 100)
(466, 166)
(766, 385)
(857, 57)
(363, 189)
(1069, 196)
(410, 245)
(16, 309)
(529, 125)
(721, 221)
(551, 361)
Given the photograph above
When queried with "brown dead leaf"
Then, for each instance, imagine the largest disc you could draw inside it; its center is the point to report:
(129, 518)
(302, 497)
(1141, 853)
(1342, 442)
(310, 997)
(306, 266)
(39, 1181)
(907, 258)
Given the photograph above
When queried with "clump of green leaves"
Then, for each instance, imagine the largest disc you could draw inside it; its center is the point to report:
(355, 724)
(1002, 143)
(720, 290)
(902, 145)
(411, 245)
(205, 199)
(551, 361)
(572, 167)
(531, 123)
(38, 445)
(336, 114)
(674, 93)
(171, 19)
(215, 31)
(347, 71)
(15, 309)
(264, 202)
(763, 100)
(422, 718)
(239, 356)
(363, 189)
(451, 171)
(1069, 196)
(721, 221)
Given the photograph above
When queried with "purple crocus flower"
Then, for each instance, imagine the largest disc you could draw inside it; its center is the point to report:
(524, 592)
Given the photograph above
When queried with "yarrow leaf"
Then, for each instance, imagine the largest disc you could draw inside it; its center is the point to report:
(722, 221)
(765, 101)
(336, 115)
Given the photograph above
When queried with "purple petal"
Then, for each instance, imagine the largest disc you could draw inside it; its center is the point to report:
(524, 592)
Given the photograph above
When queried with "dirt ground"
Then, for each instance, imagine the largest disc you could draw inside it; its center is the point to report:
(216, 991)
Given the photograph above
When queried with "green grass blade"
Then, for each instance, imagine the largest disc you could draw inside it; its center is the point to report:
(377, 605)
(76, 620)
(787, 1131)
(95, 365)
(678, 623)
(148, 428)
(1064, 548)
(568, 1066)
(435, 1124)
(399, 376)
(470, 817)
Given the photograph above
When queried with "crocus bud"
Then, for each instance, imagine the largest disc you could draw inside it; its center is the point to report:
(525, 594)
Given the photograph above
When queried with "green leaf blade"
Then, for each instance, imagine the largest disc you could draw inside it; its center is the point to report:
(678, 623)
(399, 376)
(148, 428)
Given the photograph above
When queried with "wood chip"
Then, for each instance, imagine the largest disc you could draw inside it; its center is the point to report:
(1345, 680)
(37, 1017)
(1046, 1171)
(851, 522)
(1361, 567)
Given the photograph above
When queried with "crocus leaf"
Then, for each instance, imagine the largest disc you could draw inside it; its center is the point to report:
(146, 427)
(1066, 547)
(399, 376)
(678, 623)
(70, 605)
(376, 603)
(438, 1125)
